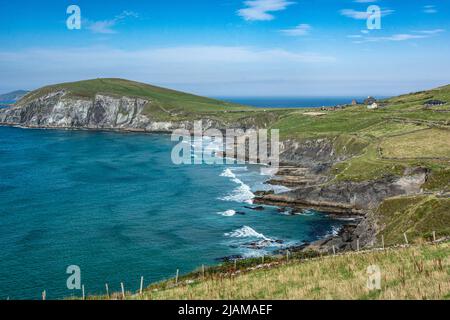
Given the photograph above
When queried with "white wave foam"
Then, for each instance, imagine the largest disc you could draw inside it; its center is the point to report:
(246, 232)
(242, 193)
(228, 213)
(334, 232)
(306, 213)
(228, 173)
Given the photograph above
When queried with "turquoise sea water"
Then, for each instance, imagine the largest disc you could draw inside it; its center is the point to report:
(115, 205)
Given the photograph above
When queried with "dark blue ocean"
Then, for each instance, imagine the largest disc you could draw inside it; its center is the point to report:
(116, 206)
(293, 102)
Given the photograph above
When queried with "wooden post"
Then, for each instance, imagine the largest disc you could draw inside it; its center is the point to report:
(107, 290)
(44, 295)
(142, 285)
(382, 241)
(235, 264)
(176, 278)
(262, 259)
(357, 244)
(82, 290)
(203, 271)
(434, 236)
(123, 290)
(287, 255)
(406, 238)
(334, 249)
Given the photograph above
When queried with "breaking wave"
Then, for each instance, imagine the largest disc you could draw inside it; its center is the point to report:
(228, 213)
(242, 193)
(246, 232)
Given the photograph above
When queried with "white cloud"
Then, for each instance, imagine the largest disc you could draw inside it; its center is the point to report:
(300, 30)
(362, 15)
(354, 36)
(365, 1)
(401, 36)
(107, 26)
(259, 10)
(430, 9)
(431, 32)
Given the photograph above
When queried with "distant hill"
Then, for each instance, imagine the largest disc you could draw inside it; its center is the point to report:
(12, 96)
(166, 99)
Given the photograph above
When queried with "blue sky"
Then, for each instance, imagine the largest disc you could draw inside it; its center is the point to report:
(230, 47)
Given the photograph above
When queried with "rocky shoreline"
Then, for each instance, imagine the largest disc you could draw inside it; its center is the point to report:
(353, 201)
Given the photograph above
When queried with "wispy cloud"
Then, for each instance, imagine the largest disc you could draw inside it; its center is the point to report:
(298, 31)
(260, 10)
(422, 34)
(430, 9)
(107, 26)
(362, 15)
(431, 32)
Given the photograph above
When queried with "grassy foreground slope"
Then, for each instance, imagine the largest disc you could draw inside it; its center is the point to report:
(418, 272)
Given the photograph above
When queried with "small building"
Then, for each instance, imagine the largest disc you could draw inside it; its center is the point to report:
(370, 100)
(434, 103)
(372, 106)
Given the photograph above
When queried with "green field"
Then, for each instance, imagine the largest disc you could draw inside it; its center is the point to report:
(418, 272)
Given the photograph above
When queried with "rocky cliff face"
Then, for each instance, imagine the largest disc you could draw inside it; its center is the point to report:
(57, 110)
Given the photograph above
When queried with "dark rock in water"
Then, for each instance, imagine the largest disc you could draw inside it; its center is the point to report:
(258, 208)
(242, 213)
(230, 258)
(260, 244)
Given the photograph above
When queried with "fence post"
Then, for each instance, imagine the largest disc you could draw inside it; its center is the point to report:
(287, 255)
(382, 241)
(235, 264)
(262, 259)
(142, 285)
(176, 278)
(357, 244)
(82, 290)
(107, 290)
(334, 250)
(203, 271)
(44, 295)
(434, 236)
(406, 238)
(123, 290)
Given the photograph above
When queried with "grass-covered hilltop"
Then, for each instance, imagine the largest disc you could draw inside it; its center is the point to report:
(387, 164)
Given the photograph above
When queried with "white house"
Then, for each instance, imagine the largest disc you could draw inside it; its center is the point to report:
(372, 106)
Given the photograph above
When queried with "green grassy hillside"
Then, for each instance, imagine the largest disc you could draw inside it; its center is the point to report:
(418, 272)
(166, 98)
